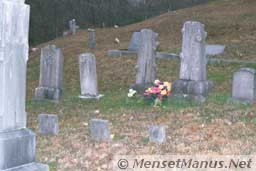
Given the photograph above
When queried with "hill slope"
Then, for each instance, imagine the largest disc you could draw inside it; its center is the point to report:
(229, 22)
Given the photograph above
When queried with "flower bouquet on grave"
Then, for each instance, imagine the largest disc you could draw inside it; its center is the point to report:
(158, 92)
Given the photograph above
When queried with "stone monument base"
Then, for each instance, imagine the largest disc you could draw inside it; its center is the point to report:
(30, 167)
(91, 97)
(46, 93)
(192, 90)
(18, 151)
(241, 100)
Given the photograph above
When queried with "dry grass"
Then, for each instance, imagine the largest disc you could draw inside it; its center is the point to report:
(192, 128)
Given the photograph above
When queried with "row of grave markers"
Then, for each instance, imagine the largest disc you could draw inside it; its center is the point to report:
(51, 75)
(73, 27)
(18, 144)
(192, 83)
(99, 129)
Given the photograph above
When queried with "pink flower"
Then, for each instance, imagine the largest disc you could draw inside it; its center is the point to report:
(156, 90)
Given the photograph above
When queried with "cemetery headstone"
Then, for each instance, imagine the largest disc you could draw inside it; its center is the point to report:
(157, 134)
(244, 85)
(72, 26)
(192, 83)
(51, 74)
(88, 77)
(92, 38)
(146, 65)
(48, 124)
(135, 42)
(99, 130)
(215, 49)
(17, 143)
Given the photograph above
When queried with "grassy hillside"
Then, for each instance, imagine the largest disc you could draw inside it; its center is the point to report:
(216, 127)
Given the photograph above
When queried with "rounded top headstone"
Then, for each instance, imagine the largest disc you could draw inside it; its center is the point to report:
(91, 30)
(86, 56)
(250, 70)
(53, 47)
(195, 25)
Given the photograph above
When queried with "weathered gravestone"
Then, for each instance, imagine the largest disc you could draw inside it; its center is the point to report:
(99, 130)
(48, 124)
(88, 77)
(51, 74)
(244, 85)
(92, 38)
(192, 83)
(72, 26)
(17, 143)
(157, 134)
(146, 65)
(215, 49)
(135, 42)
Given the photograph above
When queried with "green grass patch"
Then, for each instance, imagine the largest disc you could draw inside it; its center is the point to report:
(218, 77)
(248, 16)
(53, 165)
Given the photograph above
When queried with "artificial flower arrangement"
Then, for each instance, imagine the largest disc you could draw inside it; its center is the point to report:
(158, 92)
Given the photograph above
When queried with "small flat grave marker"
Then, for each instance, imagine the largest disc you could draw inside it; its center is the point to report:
(48, 124)
(99, 130)
(215, 49)
(244, 85)
(157, 134)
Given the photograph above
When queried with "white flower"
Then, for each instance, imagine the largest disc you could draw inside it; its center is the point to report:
(117, 41)
(157, 82)
(131, 93)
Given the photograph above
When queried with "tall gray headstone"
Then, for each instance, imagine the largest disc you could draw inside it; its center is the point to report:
(192, 83)
(88, 77)
(17, 143)
(51, 74)
(92, 38)
(72, 26)
(146, 65)
(193, 55)
(244, 85)
(135, 42)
